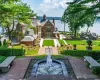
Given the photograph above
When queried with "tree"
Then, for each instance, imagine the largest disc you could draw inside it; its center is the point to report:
(76, 17)
(14, 10)
(64, 23)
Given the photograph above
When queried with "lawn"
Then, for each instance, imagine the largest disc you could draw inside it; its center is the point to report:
(29, 50)
(61, 42)
(77, 42)
(2, 58)
(81, 44)
(48, 43)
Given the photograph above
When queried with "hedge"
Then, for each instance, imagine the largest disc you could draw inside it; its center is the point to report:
(11, 52)
(81, 53)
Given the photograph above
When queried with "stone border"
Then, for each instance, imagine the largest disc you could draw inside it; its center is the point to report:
(35, 66)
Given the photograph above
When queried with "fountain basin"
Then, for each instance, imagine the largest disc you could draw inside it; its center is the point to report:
(57, 67)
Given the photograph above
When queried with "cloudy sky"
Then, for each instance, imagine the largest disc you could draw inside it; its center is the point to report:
(48, 7)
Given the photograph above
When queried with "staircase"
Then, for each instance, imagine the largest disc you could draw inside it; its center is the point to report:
(56, 42)
(65, 42)
(41, 42)
(43, 49)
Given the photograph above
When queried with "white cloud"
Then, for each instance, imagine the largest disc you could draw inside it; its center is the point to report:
(52, 4)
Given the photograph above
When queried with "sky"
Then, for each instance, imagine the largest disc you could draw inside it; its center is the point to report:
(53, 8)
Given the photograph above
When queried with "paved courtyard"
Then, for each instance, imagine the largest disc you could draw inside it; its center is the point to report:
(80, 69)
(17, 71)
(19, 68)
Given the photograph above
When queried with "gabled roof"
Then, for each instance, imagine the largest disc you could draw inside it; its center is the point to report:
(27, 38)
(44, 22)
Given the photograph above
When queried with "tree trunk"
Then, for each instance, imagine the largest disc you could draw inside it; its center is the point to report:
(87, 29)
(64, 27)
(75, 33)
(9, 33)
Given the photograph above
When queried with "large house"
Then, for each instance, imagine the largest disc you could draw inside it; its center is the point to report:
(46, 28)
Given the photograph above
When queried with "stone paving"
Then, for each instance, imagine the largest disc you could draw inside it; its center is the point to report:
(42, 50)
(17, 71)
(19, 68)
(80, 69)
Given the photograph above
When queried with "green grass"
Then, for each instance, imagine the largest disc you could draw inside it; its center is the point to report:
(61, 42)
(48, 43)
(77, 42)
(95, 44)
(2, 58)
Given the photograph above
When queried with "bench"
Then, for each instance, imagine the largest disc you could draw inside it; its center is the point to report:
(93, 63)
(6, 64)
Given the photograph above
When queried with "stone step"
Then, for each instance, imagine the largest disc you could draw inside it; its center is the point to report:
(42, 50)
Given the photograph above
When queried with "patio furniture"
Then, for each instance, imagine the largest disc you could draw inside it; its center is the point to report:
(93, 63)
(6, 64)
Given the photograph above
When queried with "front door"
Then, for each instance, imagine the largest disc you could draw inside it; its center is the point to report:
(48, 35)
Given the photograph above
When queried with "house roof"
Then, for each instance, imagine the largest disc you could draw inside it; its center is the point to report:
(28, 38)
(44, 22)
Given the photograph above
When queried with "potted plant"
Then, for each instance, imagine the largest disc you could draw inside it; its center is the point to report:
(89, 42)
(74, 47)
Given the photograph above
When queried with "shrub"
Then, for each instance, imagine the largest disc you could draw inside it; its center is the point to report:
(8, 42)
(96, 70)
(0, 43)
(11, 52)
(81, 53)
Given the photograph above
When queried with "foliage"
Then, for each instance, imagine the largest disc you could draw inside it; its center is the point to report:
(0, 43)
(81, 53)
(2, 58)
(29, 50)
(14, 10)
(8, 41)
(74, 16)
(11, 52)
(96, 71)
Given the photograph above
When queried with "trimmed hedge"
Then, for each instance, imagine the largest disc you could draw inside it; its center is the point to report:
(81, 53)
(11, 52)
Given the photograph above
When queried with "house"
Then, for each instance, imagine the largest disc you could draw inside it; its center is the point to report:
(46, 28)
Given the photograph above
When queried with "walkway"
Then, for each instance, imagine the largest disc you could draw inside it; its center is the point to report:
(42, 50)
(80, 69)
(17, 71)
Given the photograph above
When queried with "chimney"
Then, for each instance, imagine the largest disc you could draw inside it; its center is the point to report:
(44, 17)
(54, 22)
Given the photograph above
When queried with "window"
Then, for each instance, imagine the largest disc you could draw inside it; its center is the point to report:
(48, 29)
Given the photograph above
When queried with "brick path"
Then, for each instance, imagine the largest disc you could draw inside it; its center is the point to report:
(17, 71)
(80, 69)
(42, 50)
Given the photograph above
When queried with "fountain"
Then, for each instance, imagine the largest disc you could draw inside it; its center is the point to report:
(49, 66)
